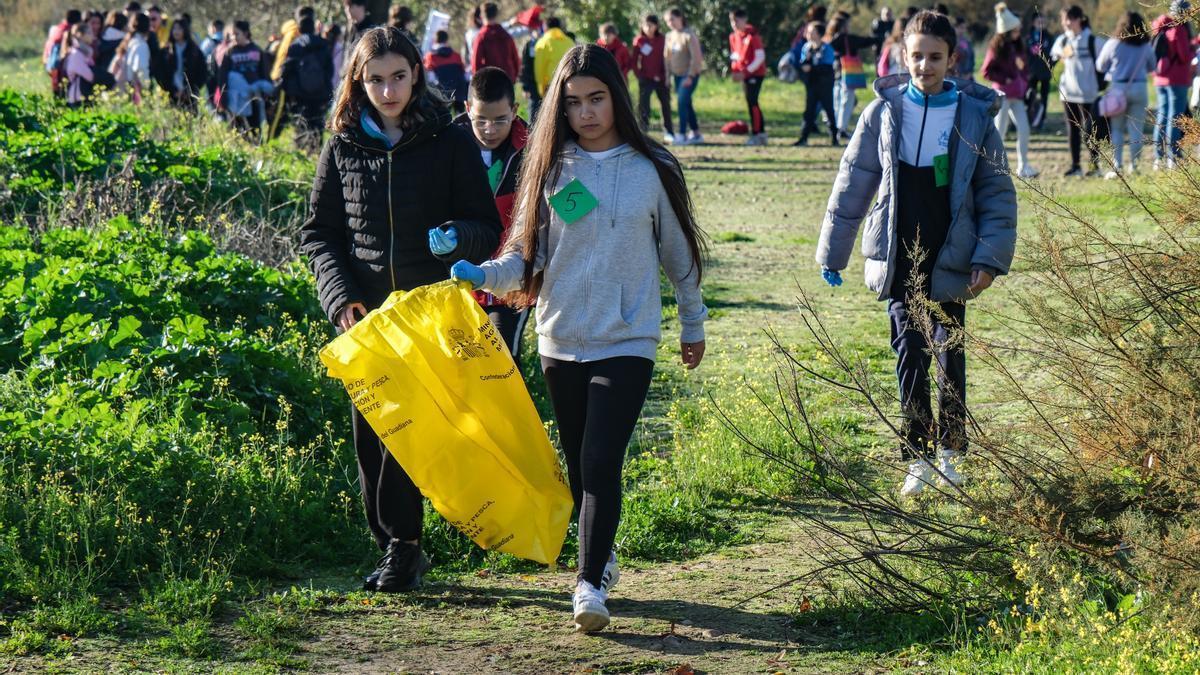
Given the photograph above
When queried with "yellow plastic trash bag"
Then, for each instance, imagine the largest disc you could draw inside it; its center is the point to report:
(437, 383)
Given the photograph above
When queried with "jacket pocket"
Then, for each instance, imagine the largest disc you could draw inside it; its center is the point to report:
(606, 315)
(875, 274)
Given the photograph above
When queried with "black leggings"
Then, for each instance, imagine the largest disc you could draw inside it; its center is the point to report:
(596, 404)
(1080, 127)
(751, 86)
(646, 88)
(394, 506)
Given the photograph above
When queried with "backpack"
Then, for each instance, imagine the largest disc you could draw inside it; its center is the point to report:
(55, 61)
(311, 80)
(1162, 46)
(1101, 83)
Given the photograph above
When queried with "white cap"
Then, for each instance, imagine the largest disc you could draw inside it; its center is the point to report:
(1005, 19)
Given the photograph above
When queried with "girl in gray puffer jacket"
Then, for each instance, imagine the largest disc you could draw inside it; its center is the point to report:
(927, 170)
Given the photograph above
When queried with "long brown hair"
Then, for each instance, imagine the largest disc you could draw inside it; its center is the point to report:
(543, 162)
(351, 97)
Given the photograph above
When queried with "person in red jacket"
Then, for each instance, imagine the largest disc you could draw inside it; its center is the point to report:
(1172, 75)
(748, 62)
(494, 46)
(611, 41)
(445, 70)
(650, 69)
(501, 135)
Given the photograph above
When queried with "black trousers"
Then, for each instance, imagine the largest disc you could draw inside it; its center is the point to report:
(596, 404)
(1037, 97)
(510, 324)
(818, 95)
(394, 505)
(913, 358)
(646, 88)
(751, 86)
(1080, 127)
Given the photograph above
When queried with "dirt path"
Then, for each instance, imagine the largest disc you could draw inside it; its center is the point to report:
(666, 618)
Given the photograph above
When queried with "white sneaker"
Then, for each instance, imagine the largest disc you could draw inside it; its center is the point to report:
(611, 573)
(695, 138)
(668, 138)
(591, 614)
(920, 475)
(1111, 175)
(678, 139)
(948, 464)
(1028, 172)
(762, 138)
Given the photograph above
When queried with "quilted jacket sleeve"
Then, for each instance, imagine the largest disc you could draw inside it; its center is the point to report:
(323, 237)
(853, 191)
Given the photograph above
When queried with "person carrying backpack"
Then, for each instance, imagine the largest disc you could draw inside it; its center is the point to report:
(1172, 75)
(446, 70)
(1079, 86)
(307, 73)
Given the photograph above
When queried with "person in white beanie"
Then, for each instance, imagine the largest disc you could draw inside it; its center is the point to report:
(1006, 66)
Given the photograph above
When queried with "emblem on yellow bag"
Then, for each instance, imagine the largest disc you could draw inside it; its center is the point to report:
(466, 347)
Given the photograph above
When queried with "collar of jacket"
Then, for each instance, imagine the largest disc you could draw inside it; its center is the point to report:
(947, 97)
(436, 119)
(518, 136)
(893, 87)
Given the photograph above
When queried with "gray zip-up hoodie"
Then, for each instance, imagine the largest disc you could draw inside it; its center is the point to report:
(983, 202)
(600, 295)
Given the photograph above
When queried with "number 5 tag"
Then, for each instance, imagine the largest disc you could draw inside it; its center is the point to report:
(573, 202)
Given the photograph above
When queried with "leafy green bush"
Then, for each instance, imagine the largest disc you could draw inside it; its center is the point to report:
(47, 150)
(148, 428)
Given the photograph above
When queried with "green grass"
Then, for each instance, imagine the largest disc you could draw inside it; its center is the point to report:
(696, 499)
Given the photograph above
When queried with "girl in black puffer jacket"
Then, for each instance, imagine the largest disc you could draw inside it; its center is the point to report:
(395, 179)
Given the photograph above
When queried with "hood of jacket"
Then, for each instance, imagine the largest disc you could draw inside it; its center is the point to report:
(890, 88)
(435, 118)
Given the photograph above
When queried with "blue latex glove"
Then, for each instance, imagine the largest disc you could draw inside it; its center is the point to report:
(832, 277)
(465, 271)
(443, 242)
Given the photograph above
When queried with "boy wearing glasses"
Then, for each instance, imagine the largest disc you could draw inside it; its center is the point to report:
(501, 135)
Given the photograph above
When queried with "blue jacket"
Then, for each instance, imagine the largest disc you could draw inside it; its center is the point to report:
(801, 53)
(983, 201)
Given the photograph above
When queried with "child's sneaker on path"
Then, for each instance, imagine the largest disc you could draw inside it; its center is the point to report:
(948, 465)
(1028, 172)
(920, 475)
(611, 575)
(678, 139)
(695, 138)
(591, 614)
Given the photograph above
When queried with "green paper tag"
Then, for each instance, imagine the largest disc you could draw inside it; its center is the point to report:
(941, 170)
(495, 171)
(573, 202)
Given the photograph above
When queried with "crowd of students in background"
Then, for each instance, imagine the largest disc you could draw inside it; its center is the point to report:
(1102, 85)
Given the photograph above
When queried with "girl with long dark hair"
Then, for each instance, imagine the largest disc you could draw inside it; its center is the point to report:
(395, 175)
(600, 208)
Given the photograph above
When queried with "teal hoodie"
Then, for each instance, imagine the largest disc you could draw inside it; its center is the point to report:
(600, 295)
